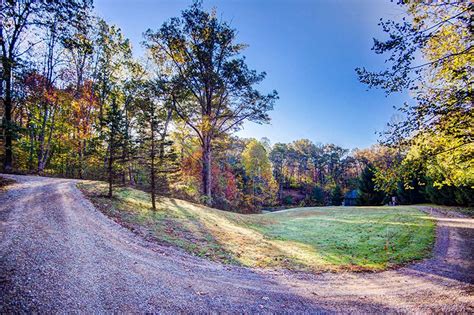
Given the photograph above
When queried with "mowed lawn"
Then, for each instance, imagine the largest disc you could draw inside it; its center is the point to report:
(305, 239)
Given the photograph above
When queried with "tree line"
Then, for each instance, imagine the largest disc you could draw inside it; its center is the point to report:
(79, 104)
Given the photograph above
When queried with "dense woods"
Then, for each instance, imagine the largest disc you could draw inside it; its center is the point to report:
(78, 104)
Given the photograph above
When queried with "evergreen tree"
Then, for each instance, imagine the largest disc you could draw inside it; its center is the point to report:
(115, 139)
(369, 195)
(337, 196)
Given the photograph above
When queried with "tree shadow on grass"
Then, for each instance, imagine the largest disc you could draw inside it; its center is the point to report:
(238, 253)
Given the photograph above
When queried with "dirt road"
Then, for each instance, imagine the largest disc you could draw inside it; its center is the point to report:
(58, 253)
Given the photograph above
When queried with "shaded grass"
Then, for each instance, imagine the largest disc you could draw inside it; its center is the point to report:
(468, 211)
(307, 239)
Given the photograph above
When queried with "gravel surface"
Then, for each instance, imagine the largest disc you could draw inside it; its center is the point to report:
(59, 254)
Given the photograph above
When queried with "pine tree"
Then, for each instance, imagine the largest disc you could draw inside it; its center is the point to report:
(369, 196)
(337, 196)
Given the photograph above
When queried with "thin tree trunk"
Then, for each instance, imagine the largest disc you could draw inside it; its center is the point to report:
(41, 139)
(46, 145)
(110, 162)
(206, 170)
(152, 168)
(81, 158)
(31, 141)
(124, 172)
(125, 151)
(110, 169)
(7, 123)
(131, 179)
(164, 181)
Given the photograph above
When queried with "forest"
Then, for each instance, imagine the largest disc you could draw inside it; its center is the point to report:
(77, 103)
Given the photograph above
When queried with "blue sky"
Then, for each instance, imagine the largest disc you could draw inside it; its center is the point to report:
(309, 49)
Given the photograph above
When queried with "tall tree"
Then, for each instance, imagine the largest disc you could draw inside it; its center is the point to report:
(213, 89)
(278, 158)
(115, 137)
(258, 168)
(370, 195)
(337, 196)
(154, 117)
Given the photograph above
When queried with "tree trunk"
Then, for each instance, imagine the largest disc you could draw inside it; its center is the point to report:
(41, 139)
(152, 166)
(111, 163)
(7, 122)
(131, 179)
(81, 158)
(206, 170)
(124, 170)
(161, 156)
(31, 149)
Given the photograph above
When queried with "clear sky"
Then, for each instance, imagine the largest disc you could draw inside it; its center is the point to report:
(309, 49)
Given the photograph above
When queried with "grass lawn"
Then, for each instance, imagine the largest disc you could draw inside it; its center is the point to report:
(306, 239)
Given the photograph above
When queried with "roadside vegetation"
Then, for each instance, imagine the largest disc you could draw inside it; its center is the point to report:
(304, 239)
(5, 182)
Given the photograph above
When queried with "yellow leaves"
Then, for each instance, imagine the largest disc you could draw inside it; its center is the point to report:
(451, 41)
(205, 126)
(255, 160)
(451, 162)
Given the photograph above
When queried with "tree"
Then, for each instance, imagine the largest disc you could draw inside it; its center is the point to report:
(154, 117)
(317, 196)
(303, 149)
(212, 87)
(115, 136)
(442, 85)
(337, 196)
(113, 56)
(278, 158)
(258, 168)
(79, 49)
(369, 194)
(113, 61)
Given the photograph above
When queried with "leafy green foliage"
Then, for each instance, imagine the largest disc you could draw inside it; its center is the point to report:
(369, 194)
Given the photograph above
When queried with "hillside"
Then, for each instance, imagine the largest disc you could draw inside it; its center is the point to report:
(306, 239)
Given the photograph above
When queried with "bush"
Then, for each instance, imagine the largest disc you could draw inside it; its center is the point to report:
(369, 196)
(449, 195)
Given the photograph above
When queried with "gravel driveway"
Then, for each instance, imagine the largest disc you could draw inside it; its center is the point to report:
(58, 254)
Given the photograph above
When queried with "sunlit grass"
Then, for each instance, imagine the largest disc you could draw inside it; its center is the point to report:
(310, 239)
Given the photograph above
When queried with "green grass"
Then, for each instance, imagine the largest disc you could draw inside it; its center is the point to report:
(306, 239)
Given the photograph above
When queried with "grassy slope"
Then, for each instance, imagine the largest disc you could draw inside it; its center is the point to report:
(310, 239)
